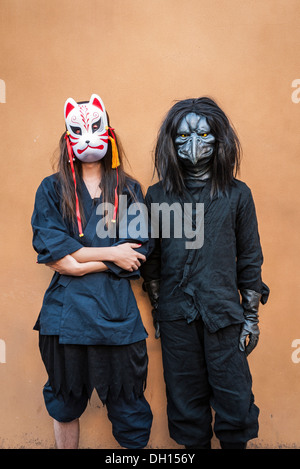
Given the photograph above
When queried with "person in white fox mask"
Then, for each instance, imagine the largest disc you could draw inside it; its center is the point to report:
(91, 335)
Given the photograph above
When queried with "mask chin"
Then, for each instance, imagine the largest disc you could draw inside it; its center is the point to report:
(91, 157)
(200, 170)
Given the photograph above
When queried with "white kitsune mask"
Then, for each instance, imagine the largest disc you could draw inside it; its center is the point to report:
(87, 128)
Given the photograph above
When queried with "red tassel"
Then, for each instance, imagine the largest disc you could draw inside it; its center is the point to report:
(115, 164)
(70, 153)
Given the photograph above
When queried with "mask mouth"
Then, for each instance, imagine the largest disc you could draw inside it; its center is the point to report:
(196, 155)
(100, 147)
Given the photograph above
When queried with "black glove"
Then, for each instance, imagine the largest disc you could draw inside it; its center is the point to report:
(250, 303)
(152, 288)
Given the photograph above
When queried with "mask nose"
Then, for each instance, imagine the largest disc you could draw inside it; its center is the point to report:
(194, 149)
(87, 141)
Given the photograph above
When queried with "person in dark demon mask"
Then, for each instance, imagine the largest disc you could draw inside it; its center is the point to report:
(205, 300)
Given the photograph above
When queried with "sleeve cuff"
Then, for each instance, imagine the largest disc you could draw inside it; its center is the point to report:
(55, 253)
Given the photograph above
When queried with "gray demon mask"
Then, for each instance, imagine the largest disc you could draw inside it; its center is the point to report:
(195, 146)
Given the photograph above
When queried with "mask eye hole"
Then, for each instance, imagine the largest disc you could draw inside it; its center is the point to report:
(183, 135)
(204, 134)
(96, 125)
(76, 130)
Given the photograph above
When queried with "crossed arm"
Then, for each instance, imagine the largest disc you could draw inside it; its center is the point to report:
(91, 259)
(52, 240)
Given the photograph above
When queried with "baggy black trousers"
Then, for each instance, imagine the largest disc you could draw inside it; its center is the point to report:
(205, 371)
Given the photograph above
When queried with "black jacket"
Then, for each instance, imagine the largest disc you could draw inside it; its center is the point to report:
(96, 308)
(207, 281)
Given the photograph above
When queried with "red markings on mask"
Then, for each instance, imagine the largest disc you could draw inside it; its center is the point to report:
(100, 147)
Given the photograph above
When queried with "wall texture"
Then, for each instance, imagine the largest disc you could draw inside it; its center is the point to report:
(141, 56)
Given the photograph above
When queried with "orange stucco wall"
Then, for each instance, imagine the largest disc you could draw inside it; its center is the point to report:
(141, 56)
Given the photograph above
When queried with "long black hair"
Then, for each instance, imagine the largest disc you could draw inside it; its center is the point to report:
(225, 159)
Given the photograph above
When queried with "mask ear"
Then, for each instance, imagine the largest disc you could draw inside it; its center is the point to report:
(70, 104)
(97, 101)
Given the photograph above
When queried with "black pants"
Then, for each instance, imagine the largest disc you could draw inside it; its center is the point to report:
(204, 371)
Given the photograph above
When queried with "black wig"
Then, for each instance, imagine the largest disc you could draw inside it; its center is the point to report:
(226, 157)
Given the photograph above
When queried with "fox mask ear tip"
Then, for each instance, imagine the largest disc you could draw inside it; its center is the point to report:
(97, 101)
(69, 106)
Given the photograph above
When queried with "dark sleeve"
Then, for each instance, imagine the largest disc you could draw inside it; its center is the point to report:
(150, 270)
(51, 239)
(134, 231)
(249, 252)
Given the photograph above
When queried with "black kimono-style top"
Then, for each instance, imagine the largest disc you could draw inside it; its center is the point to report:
(97, 308)
(206, 281)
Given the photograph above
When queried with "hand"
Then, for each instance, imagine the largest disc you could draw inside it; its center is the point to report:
(250, 330)
(67, 266)
(126, 256)
(152, 288)
(155, 324)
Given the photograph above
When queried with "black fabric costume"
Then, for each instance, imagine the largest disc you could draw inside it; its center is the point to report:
(76, 370)
(91, 335)
(200, 314)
